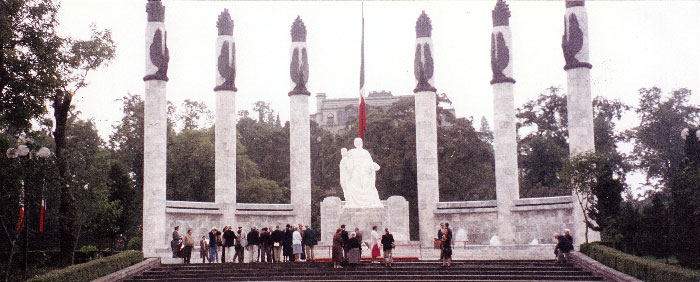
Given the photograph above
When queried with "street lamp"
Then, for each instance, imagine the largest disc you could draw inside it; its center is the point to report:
(18, 153)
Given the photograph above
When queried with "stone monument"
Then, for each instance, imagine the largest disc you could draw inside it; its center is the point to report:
(225, 130)
(357, 178)
(299, 125)
(426, 130)
(504, 134)
(155, 130)
(574, 44)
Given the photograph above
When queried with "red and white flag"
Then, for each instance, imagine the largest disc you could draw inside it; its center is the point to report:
(362, 113)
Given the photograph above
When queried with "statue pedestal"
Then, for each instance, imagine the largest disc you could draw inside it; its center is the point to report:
(394, 215)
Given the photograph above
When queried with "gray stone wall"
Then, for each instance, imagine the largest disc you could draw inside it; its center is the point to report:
(532, 218)
(394, 216)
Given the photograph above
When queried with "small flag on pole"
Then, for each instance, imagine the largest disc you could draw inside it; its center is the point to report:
(42, 214)
(20, 221)
(362, 113)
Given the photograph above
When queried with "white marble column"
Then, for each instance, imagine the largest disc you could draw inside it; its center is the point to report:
(299, 126)
(426, 132)
(504, 134)
(579, 103)
(155, 231)
(225, 126)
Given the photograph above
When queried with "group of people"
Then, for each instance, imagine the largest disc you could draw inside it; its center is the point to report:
(347, 247)
(294, 243)
(565, 244)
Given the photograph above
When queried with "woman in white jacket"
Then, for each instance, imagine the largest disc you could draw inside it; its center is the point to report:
(296, 244)
(374, 244)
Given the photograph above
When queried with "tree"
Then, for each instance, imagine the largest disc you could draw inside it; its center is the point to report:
(541, 151)
(606, 208)
(194, 115)
(29, 62)
(685, 203)
(580, 173)
(485, 131)
(657, 143)
(77, 59)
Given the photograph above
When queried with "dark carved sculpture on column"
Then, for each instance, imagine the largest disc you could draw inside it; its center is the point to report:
(423, 65)
(500, 54)
(225, 65)
(572, 40)
(158, 52)
(299, 66)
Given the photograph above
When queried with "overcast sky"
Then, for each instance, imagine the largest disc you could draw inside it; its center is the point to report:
(632, 45)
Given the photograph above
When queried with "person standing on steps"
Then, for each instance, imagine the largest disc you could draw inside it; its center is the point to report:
(446, 243)
(374, 244)
(288, 241)
(253, 244)
(388, 246)
(438, 240)
(189, 245)
(228, 244)
(358, 235)
(213, 245)
(309, 241)
(296, 244)
(277, 238)
(266, 245)
(344, 234)
(239, 245)
(337, 249)
(203, 249)
(175, 243)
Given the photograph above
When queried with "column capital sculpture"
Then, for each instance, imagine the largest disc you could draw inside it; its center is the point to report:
(500, 14)
(575, 3)
(225, 24)
(298, 30)
(155, 10)
(423, 26)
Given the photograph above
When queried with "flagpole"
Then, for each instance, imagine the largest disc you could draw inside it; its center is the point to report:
(362, 111)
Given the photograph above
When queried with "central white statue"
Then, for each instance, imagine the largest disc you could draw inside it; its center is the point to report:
(357, 177)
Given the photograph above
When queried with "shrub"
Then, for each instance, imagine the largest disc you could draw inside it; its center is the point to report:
(640, 268)
(93, 269)
(88, 249)
(134, 244)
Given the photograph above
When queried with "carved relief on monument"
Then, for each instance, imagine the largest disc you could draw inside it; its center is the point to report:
(572, 41)
(500, 53)
(226, 63)
(159, 56)
(299, 67)
(155, 11)
(423, 65)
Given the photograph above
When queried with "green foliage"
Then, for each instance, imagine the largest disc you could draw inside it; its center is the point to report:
(685, 204)
(134, 244)
(88, 248)
(640, 268)
(30, 59)
(608, 197)
(259, 190)
(190, 166)
(94, 269)
(658, 148)
(581, 173)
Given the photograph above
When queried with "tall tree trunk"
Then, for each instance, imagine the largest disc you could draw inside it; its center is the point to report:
(61, 107)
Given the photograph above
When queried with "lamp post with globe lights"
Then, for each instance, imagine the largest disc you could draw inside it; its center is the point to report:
(19, 153)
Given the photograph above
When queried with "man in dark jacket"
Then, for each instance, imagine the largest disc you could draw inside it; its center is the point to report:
(214, 240)
(265, 245)
(253, 244)
(346, 245)
(309, 240)
(287, 243)
(277, 237)
(229, 242)
(562, 248)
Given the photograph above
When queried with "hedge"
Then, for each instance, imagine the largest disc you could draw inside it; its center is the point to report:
(640, 268)
(93, 269)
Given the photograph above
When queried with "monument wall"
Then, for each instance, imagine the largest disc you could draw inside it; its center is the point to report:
(533, 218)
(202, 216)
(394, 215)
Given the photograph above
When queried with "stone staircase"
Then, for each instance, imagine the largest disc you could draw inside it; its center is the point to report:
(470, 270)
